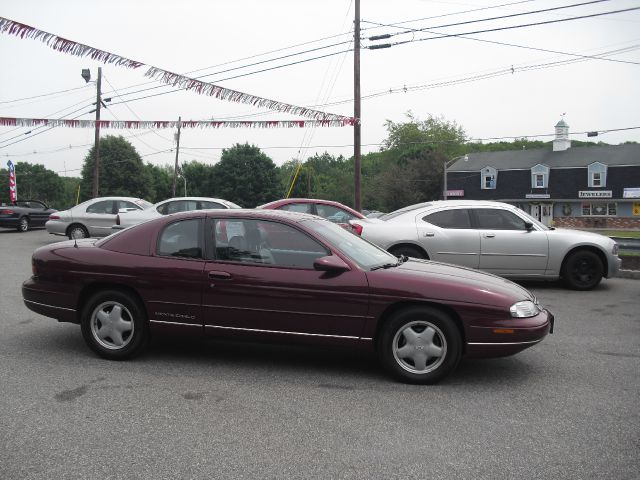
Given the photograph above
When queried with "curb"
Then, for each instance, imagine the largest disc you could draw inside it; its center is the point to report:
(634, 274)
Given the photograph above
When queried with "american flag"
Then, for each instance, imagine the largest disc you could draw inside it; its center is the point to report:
(13, 189)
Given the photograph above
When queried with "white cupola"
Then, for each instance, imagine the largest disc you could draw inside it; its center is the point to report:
(561, 142)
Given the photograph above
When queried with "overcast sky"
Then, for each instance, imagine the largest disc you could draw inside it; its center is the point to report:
(442, 76)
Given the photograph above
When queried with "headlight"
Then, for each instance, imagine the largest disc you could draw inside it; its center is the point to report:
(615, 249)
(524, 309)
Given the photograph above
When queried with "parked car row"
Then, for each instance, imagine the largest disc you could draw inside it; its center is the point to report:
(491, 236)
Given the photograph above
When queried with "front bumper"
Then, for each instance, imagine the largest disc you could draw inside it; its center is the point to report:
(508, 339)
(615, 263)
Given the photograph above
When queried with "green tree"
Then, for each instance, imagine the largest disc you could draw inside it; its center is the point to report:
(246, 176)
(121, 171)
(34, 182)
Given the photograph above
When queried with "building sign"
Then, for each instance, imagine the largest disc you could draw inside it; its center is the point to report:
(538, 195)
(455, 193)
(595, 194)
(636, 209)
(631, 192)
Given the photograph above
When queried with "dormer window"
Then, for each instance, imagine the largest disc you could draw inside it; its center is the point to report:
(540, 176)
(597, 175)
(489, 178)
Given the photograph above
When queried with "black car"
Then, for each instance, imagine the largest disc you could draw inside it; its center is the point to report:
(25, 214)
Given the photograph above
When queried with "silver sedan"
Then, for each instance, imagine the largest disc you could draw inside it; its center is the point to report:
(92, 218)
(495, 237)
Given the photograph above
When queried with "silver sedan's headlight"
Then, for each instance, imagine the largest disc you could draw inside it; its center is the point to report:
(615, 248)
(524, 309)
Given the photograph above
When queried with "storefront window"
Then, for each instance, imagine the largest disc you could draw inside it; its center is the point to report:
(599, 209)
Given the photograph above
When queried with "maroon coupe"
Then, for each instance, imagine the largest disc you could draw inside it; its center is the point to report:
(280, 275)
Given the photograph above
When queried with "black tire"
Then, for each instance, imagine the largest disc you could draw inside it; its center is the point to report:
(23, 225)
(408, 251)
(433, 331)
(582, 270)
(77, 231)
(114, 325)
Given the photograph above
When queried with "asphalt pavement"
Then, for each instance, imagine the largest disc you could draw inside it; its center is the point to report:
(568, 408)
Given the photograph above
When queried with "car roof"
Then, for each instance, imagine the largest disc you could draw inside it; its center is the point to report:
(444, 204)
(285, 201)
(256, 213)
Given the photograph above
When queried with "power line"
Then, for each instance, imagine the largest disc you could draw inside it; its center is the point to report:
(497, 29)
(467, 22)
(43, 95)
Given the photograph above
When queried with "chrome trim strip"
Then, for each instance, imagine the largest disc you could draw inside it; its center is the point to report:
(503, 343)
(286, 311)
(50, 306)
(285, 333)
(177, 323)
(536, 255)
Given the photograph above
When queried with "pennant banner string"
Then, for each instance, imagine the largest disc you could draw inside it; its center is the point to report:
(70, 47)
(157, 124)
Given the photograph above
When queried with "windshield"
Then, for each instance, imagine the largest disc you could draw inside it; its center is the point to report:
(365, 254)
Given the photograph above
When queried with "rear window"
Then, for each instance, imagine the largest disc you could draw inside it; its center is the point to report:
(397, 213)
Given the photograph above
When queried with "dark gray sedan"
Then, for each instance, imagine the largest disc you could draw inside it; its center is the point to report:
(24, 214)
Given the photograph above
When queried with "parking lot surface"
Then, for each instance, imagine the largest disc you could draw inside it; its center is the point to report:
(568, 408)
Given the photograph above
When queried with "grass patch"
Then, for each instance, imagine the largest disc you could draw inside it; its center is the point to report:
(621, 233)
(627, 253)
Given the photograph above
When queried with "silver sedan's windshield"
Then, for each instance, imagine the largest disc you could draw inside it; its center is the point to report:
(365, 254)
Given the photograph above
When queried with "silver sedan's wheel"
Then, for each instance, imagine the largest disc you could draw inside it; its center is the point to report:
(419, 347)
(419, 344)
(114, 324)
(77, 231)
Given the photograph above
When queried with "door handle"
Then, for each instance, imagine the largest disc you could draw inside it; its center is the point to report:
(220, 275)
(489, 235)
(429, 234)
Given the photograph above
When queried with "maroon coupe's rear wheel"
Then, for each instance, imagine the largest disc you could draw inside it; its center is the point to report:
(420, 345)
(114, 325)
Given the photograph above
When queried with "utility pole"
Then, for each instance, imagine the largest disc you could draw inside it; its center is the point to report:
(356, 106)
(96, 148)
(175, 170)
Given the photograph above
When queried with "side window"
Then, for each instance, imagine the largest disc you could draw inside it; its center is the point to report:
(126, 204)
(181, 206)
(105, 206)
(264, 242)
(333, 214)
(208, 205)
(297, 207)
(458, 218)
(497, 219)
(181, 239)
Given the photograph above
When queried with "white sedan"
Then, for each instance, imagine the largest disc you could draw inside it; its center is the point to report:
(495, 237)
(172, 205)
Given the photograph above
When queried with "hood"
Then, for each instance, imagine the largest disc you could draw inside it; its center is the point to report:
(442, 281)
(581, 235)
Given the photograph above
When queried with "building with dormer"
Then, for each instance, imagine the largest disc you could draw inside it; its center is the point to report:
(580, 187)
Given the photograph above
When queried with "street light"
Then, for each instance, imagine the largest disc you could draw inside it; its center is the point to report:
(446, 164)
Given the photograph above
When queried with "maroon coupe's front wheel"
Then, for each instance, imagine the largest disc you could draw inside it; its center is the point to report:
(420, 345)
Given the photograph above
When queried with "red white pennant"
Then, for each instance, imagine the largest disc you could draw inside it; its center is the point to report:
(156, 124)
(70, 47)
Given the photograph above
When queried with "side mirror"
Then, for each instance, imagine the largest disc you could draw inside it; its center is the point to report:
(331, 263)
(528, 226)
